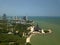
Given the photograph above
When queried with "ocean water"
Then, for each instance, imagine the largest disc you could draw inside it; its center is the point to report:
(46, 23)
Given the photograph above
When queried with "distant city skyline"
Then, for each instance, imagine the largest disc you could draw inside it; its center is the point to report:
(30, 7)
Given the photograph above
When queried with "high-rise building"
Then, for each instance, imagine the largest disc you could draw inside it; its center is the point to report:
(4, 17)
(25, 18)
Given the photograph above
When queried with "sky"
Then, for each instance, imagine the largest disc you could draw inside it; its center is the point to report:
(30, 7)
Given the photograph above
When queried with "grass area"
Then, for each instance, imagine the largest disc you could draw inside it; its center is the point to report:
(5, 39)
(47, 39)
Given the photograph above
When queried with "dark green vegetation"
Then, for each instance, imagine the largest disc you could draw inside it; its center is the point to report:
(17, 38)
(21, 28)
(5, 39)
(46, 23)
(13, 38)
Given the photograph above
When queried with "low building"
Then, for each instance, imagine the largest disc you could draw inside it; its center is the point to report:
(37, 28)
(10, 33)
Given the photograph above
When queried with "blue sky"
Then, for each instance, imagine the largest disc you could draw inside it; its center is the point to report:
(30, 7)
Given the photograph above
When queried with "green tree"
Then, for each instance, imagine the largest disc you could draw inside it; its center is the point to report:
(28, 44)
